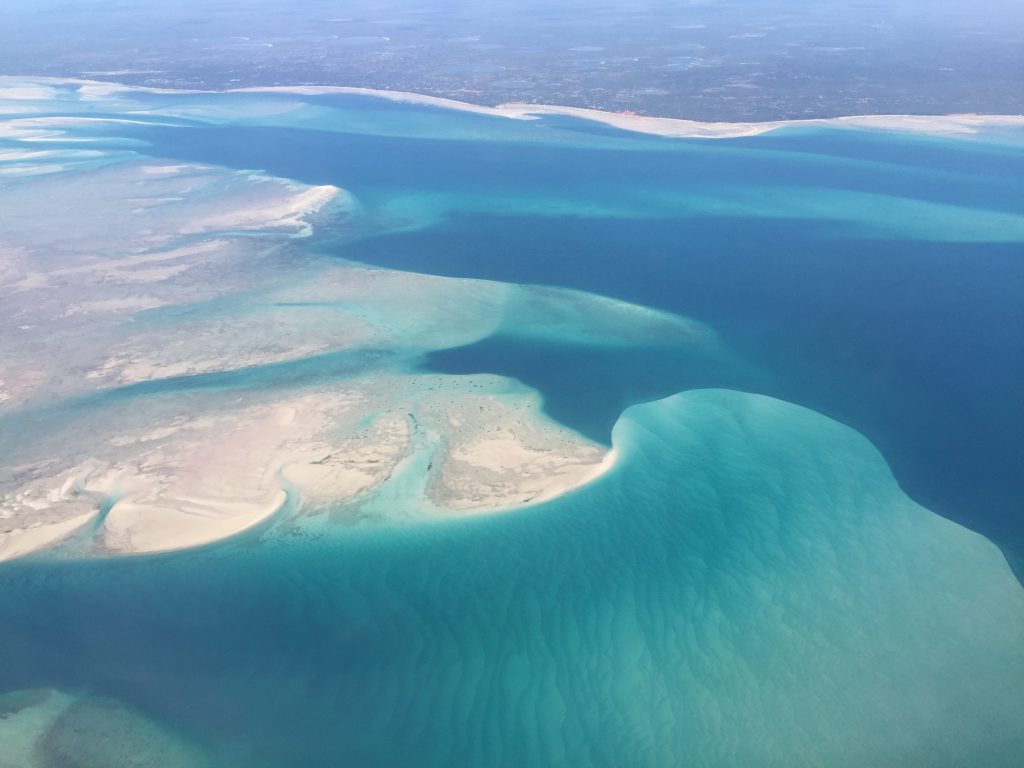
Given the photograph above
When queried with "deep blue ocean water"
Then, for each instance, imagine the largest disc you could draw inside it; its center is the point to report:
(748, 586)
(913, 339)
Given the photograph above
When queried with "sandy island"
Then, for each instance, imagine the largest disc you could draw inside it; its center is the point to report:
(193, 480)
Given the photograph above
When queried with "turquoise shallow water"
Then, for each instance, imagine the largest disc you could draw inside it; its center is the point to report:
(748, 585)
(872, 277)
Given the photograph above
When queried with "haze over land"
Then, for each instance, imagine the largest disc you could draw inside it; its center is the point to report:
(732, 60)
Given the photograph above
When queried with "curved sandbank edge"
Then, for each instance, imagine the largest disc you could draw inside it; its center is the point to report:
(22, 542)
(560, 483)
(670, 127)
(134, 528)
(954, 124)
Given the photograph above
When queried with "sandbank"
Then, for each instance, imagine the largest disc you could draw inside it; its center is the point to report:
(28, 92)
(25, 541)
(24, 88)
(957, 124)
(500, 451)
(404, 97)
(127, 304)
(285, 214)
(952, 124)
(182, 522)
(192, 480)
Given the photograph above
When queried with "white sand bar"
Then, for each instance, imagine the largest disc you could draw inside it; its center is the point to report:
(19, 542)
(955, 124)
(42, 88)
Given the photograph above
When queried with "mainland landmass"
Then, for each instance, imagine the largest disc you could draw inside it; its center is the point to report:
(730, 60)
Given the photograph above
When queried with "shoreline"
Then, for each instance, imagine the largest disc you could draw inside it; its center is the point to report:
(952, 124)
(669, 127)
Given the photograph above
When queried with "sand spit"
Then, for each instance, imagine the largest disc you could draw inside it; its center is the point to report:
(186, 481)
(942, 125)
(18, 542)
(287, 214)
(27, 92)
(403, 97)
(945, 125)
(183, 522)
(43, 88)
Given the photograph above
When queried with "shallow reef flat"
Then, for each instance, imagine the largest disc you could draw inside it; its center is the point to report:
(46, 727)
(345, 428)
(165, 278)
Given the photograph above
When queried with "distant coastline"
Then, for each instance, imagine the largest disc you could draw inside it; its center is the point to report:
(672, 127)
(956, 124)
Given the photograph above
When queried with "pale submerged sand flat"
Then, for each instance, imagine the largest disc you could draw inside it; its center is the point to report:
(261, 336)
(18, 155)
(164, 170)
(545, 313)
(22, 171)
(403, 97)
(948, 125)
(127, 269)
(344, 307)
(127, 304)
(287, 214)
(46, 727)
(99, 90)
(128, 209)
(28, 92)
(126, 244)
(101, 732)
(26, 716)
